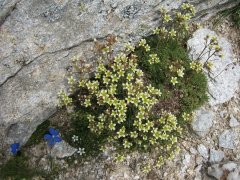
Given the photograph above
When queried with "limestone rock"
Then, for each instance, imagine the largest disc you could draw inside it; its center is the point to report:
(231, 169)
(39, 38)
(216, 156)
(226, 139)
(203, 151)
(62, 149)
(202, 122)
(233, 121)
(193, 150)
(224, 75)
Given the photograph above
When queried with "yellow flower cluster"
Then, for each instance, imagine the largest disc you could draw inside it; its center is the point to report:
(212, 48)
(154, 59)
(196, 66)
(180, 22)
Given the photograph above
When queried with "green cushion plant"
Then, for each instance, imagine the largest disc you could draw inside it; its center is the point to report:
(138, 100)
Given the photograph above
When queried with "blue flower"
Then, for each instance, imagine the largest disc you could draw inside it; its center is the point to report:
(53, 136)
(15, 147)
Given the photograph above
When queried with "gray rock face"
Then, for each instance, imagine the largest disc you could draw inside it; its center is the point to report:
(62, 149)
(226, 139)
(203, 151)
(202, 122)
(233, 121)
(216, 156)
(39, 38)
(225, 74)
(231, 169)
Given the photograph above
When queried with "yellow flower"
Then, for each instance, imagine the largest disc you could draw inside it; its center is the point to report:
(140, 116)
(74, 58)
(112, 126)
(119, 158)
(105, 50)
(156, 31)
(127, 144)
(192, 65)
(159, 163)
(172, 32)
(142, 42)
(146, 169)
(185, 5)
(177, 150)
(87, 102)
(167, 18)
(209, 65)
(187, 16)
(179, 15)
(151, 61)
(163, 30)
(198, 26)
(91, 118)
(214, 39)
(129, 47)
(97, 76)
(171, 68)
(156, 134)
(153, 56)
(162, 120)
(185, 116)
(103, 148)
(152, 141)
(174, 80)
(110, 139)
(100, 125)
(180, 73)
(198, 67)
(173, 139)
(134, 134)
(139, 72)
(147, 47)
(71, 80)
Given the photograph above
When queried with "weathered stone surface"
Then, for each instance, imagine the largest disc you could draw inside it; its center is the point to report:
(38, 39)
(224, 75)
(226, 139)
(202, 122)
(203, 151)
(216, 156)
(62, 149)
(233, 121)
(231, 169)
(6, 7)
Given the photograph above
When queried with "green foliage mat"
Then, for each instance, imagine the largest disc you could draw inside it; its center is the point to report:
(189, 93)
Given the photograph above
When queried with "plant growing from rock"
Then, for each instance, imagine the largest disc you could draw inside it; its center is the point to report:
(137, 101)
(118, 103)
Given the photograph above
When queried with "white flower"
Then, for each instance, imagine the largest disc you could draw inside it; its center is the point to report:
(81, 151)
(75, 138)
